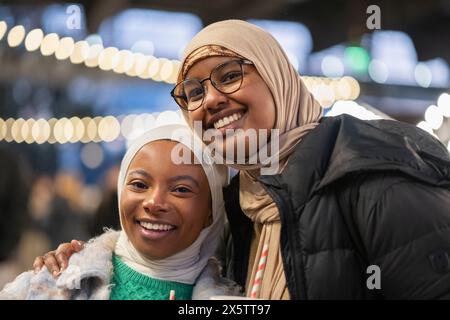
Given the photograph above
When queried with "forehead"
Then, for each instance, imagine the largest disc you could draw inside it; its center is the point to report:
(203, 67)
(156, 157)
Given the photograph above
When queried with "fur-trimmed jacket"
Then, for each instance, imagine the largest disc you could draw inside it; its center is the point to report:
(89, 273)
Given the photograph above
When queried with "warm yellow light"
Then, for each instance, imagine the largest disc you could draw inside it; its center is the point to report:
(91, 130)
(176, 67)
(24, 130)
(2, 129)
(94, 52)
(140, 65)
(344, 90)
(153, 68)
(3, 28)
(127, 126)
(125, 61)
(132, 71)
(107, 58)
(109, 129)
(34, 39)
(16, 36)
(166, 69)
(354, 85)
(69, 130)
(16, 130)
(325, 95)
(65, 48)
(97, 122)
(9, 123)
(139, 62)
(51, 123)
(62, 130)
(80, 52)
(85, 138)
(27, 131)
(49, 44)
(78, 129)
(40, 131)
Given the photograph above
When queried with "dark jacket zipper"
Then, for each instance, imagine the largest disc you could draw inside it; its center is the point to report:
(281, 205)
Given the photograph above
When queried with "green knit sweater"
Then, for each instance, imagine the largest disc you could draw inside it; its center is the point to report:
(131, 285)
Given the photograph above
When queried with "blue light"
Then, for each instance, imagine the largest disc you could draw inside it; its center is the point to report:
(294, 37)
(169, 32)
(56, 18)
(316, 59)
(7, 16)
(396, 50)
(439, 71)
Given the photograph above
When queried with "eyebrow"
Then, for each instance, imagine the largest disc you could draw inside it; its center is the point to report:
(185, 177)
(140, 172)
(172, 179)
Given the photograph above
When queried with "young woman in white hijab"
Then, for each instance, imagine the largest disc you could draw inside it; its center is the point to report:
(171, 216)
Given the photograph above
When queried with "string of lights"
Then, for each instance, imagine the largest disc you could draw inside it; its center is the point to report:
(135, 64)
(84, 130)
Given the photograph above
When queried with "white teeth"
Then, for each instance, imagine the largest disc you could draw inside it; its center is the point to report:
(227, 120)
(151, 226)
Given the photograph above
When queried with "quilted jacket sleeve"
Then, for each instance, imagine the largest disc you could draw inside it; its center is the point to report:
(404, 226)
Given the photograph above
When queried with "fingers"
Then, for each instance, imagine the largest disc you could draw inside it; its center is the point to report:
(57, 261)
(52, 264)
(38, 264)
(65, 251)
(77, 245)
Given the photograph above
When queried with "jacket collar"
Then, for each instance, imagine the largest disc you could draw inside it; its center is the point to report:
(95, 262)
(344, 144)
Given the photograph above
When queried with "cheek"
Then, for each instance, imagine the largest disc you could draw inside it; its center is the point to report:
(262, 114)
(128, 205)
(197, 216)
(196, 115)
(261, 107)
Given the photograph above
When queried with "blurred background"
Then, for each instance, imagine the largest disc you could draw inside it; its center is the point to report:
(79, 80)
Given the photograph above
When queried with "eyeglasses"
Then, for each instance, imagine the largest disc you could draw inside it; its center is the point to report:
(226, 78)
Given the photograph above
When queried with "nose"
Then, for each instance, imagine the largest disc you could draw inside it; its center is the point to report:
(214, 100)
(155, 202)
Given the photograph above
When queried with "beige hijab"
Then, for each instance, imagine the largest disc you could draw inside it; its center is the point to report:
(297, 113)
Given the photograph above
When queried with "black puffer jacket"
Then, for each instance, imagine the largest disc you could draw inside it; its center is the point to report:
(357, 193)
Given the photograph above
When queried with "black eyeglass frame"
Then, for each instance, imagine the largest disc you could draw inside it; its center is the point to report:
(176, 97)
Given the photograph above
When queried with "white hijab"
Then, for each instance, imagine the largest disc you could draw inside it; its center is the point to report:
(184, 266)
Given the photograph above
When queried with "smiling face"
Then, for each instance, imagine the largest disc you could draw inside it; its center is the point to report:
(164, 206)
(251, 107)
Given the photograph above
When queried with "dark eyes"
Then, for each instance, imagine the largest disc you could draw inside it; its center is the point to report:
(139, 185)
(182, 190)
(195, 94)
(231, 76)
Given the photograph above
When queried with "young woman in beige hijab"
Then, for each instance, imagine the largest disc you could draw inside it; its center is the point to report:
(309, 238)
(329, 221)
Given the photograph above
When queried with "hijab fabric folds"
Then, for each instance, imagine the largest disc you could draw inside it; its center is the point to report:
(297, 113)
(184, 266)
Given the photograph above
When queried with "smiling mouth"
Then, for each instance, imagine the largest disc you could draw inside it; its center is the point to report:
(154, 231)
(159, 227)
(226, 121)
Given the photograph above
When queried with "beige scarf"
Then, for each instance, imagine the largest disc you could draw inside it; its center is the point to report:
(297, 113)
